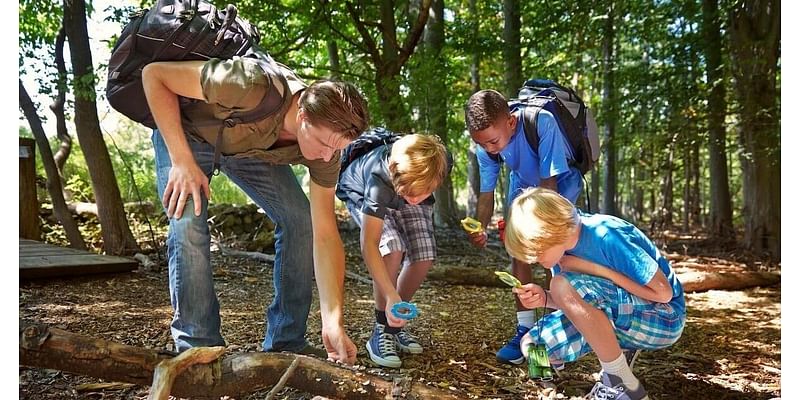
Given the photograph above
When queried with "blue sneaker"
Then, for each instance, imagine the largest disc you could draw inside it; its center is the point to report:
(511, 353)
(382, 348)
(407, 343)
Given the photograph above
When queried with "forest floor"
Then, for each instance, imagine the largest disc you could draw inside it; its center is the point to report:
(730, 348)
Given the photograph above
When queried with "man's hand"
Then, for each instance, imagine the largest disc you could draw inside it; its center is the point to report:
(478, 239)
(185, 180)
(531, 295)
(338, 345)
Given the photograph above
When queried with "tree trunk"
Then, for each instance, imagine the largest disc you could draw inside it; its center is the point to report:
(389, 58)
(687, 187)
(473, 171)
(594, 194)
(58, 109)
(755, 41)
(665, 211)
(117, 236)
(610, 117)
(473, 179)
(333, 57)
(234, 375)
(54, 186)
(445, 206)
(695, 210)
(721, 214)
(512, 47)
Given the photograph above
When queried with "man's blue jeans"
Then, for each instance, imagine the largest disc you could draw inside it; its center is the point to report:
(275, 189)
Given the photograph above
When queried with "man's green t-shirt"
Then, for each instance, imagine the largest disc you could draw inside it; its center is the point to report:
(237, 85)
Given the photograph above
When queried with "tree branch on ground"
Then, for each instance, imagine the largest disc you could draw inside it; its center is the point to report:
(236, 375)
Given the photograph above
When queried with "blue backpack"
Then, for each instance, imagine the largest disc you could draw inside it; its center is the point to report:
(365, 143)
(575, 120)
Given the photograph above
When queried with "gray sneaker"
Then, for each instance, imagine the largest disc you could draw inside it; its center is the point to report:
(611, 388)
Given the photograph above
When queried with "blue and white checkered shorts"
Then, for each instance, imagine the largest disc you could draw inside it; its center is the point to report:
(638, 323)
(408, 230)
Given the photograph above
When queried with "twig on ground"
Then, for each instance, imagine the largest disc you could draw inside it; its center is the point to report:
(286, 375)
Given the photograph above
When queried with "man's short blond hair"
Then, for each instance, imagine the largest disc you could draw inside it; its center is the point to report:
(538, 220)
(418, 164)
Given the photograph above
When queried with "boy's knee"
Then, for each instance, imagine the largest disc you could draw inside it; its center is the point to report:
(562, 291)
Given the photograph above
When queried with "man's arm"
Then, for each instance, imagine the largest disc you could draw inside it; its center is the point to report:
(329, 272)
(657, 290)
(163, 82)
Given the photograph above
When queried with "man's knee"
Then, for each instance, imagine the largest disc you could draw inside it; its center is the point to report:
(190, 229)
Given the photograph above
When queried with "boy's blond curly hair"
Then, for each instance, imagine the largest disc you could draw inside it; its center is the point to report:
(538, 220)
(418, 164)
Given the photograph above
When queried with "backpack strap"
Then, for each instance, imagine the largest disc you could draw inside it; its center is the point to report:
(530, 115)
(270, 104)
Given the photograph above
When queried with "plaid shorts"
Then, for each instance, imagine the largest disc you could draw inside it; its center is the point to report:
(408, 230)
(638, 323)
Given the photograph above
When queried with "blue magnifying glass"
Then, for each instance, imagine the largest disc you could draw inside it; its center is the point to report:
(405, 310)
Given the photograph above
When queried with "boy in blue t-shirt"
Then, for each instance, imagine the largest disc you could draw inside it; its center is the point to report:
(611, 286)
(500, 134)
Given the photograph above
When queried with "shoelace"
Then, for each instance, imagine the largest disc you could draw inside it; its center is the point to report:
(386, 344)
(603, 392)
(405, 337)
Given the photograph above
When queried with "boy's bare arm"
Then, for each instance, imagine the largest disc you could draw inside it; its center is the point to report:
(485, 208)
(370, 241)
(657, 290)
(484, 214)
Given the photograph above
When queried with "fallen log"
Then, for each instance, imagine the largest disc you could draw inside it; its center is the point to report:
(255, 255)
(692, 281)
(41, 346)
(169, 369)
(704, 281)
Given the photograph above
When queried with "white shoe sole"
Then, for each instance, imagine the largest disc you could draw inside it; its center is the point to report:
(382, 361)
(408, 349)
(516, 361)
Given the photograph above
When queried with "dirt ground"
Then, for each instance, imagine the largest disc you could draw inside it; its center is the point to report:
(730, 348)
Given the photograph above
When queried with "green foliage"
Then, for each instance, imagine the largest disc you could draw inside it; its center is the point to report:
(660, 87)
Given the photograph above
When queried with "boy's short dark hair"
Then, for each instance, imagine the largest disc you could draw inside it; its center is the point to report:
(483, 109)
